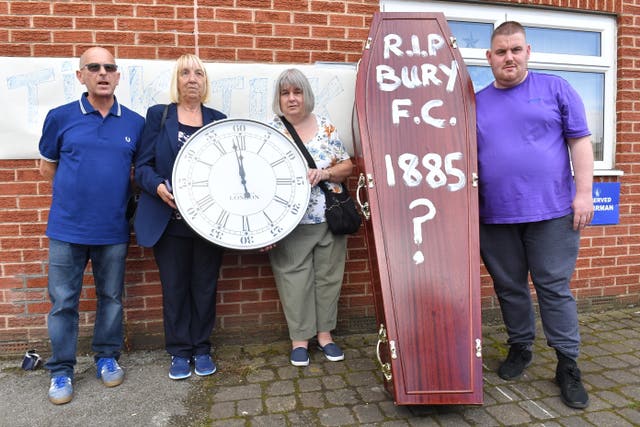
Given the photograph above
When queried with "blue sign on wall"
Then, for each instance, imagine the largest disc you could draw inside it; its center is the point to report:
(606, 203)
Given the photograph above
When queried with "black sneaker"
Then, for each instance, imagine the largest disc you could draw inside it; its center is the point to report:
(519, 358)
(572, 391)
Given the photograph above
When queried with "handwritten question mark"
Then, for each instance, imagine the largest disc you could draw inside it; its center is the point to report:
(418, 256)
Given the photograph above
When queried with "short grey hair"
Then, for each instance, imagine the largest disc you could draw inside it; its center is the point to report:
(294, 78)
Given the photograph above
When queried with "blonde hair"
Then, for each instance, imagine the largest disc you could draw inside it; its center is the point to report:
(294, 78)
(185, 61)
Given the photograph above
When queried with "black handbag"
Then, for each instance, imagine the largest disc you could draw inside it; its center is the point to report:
(340, 210)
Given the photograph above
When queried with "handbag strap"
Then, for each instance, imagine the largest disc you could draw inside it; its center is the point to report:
(303, 149)
(296, 138)
(164, 116)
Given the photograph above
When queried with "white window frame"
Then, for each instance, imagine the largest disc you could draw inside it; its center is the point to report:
(555, 19)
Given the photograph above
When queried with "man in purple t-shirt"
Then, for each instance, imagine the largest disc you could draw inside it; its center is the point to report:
(531, 128)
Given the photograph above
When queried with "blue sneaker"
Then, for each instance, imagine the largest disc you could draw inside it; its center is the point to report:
(61, 390)
(204, 365)
(299, 356)
(332, 352)
(180, 368)
(110, 372)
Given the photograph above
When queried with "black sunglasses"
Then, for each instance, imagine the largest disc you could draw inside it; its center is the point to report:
(95, 67)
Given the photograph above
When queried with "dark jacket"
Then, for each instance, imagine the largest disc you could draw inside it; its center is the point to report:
(154, 164)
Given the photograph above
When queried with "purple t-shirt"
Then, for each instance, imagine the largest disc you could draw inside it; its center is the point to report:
(523, 158)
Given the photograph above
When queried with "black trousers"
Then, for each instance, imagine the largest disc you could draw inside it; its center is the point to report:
(189, 267)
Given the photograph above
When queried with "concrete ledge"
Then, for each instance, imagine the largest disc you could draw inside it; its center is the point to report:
(155, 340)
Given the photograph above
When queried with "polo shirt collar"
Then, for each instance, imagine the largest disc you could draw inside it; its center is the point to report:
(86, 107)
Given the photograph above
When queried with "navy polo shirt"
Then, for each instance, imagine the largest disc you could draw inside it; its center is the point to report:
(91, 184)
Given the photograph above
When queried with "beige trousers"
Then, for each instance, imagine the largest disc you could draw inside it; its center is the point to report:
(308, 266)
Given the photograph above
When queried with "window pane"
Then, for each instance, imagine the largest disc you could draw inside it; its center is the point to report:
(590, 86)
(480, 75)
(569, 42)
(471, 34)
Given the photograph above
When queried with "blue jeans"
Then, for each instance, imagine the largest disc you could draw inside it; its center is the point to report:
(67, 262)
(547, 250)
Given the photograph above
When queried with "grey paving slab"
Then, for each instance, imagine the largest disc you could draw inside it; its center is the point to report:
(314, 399)
(277, 388)
(368, 413)
(247, 407)
(256, 386)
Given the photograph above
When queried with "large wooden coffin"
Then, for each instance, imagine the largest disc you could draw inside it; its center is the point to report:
(417, 151)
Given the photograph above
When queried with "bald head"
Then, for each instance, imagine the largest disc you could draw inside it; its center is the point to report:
(99, 73)
(89, 55)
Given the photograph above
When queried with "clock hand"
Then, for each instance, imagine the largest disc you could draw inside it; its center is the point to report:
(241, 171)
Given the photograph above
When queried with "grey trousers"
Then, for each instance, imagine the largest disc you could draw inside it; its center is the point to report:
(547, 250)
(308, 266)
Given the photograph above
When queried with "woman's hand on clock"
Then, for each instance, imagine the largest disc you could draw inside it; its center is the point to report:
(165, 195)
(317, 175)
(338, 172)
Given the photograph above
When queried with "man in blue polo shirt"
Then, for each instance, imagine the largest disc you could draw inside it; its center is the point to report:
(87, 148)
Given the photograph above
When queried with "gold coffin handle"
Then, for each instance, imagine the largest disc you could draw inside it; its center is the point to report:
(364, 207)
(384, 367)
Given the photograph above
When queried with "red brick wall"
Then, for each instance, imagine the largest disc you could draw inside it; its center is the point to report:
(273, 31)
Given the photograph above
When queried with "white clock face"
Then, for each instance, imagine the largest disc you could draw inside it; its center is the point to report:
(241, 184)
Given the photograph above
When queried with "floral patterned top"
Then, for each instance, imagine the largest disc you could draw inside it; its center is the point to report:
(326, 149)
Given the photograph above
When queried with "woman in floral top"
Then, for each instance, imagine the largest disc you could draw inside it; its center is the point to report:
(308, 264)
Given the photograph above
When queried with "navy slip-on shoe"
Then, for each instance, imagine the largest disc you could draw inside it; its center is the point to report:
(332, 352)
(299, 356)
